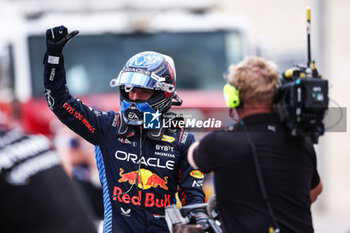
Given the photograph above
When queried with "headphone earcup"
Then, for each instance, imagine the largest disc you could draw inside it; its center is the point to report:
(231, 95)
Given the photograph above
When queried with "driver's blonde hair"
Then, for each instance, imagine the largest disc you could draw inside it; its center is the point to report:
(256, 79)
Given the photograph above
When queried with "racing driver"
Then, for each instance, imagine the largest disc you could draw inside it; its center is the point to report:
(141, 168)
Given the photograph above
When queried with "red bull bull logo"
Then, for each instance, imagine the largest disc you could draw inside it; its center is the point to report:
(146, 179)
(128, 177)
(155, 181)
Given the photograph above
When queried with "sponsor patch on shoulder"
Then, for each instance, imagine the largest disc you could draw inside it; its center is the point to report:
(197, 174)
(167, 138)
(197, 183)
(184, 137)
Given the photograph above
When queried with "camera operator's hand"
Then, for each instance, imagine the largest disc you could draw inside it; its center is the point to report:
(201, 219)
(57, 38)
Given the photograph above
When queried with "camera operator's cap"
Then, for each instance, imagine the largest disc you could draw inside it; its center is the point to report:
(231, 95)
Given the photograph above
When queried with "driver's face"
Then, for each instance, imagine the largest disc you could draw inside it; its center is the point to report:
(140, 94)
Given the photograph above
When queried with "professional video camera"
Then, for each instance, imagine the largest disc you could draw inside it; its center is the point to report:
(195, 214)
(302, 98)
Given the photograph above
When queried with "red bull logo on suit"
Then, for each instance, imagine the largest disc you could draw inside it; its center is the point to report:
(144, 179)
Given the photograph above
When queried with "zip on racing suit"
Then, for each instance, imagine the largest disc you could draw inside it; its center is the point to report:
(140, 170)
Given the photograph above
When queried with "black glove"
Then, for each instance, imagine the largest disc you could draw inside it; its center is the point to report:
(200, 218)
(57, 38)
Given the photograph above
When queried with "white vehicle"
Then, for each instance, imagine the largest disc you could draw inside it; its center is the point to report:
(202, 44)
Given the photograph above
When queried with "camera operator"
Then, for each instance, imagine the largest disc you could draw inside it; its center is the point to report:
(265, 179)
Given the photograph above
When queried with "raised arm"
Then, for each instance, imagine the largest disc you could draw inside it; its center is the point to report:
(80, 118)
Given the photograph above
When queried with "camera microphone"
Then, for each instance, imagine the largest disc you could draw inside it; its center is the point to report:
(212, 207)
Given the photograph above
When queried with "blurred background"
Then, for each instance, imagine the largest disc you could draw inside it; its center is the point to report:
(204, 37)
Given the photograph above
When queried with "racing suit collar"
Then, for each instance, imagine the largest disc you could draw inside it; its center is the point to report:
(123, 129)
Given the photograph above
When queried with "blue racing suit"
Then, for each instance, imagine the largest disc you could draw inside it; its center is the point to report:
(140, 174)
